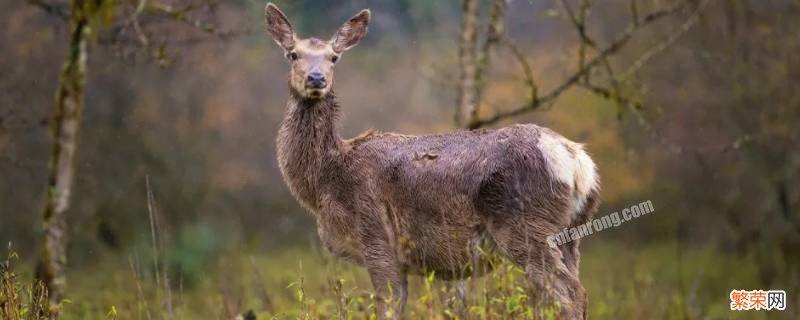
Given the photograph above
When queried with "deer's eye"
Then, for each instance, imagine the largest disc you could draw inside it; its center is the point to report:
(292, 56)
(334, 58)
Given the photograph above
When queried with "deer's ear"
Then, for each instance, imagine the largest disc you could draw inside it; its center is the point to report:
(279, 27)
(351, 32)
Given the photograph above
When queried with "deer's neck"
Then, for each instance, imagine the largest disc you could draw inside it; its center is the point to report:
(306, 141)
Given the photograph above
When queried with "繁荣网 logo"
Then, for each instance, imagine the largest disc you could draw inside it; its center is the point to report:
(758, 300)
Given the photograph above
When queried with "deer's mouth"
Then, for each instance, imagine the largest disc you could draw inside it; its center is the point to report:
(315, 92)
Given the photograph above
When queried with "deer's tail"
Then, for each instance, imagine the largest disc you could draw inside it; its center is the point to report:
(587, 187)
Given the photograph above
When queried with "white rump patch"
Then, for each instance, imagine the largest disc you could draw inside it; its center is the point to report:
(569, 163)
(559, 161)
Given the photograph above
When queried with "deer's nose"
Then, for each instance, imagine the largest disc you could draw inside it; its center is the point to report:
(316, 80)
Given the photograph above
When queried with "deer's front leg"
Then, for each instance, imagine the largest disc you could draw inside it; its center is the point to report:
(385, 270)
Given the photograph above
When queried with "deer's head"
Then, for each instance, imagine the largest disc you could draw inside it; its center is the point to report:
(312, 60)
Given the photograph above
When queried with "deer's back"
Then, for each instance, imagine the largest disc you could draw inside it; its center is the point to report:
(456, 162)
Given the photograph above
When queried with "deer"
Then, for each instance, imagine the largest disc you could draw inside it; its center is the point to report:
(404, 205)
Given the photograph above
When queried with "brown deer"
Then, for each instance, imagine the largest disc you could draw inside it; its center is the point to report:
(402, 204)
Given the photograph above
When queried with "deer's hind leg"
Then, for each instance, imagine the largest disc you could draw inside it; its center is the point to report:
(386, 272)
(553, 284)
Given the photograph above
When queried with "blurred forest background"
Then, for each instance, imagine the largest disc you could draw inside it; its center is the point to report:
(176, 162)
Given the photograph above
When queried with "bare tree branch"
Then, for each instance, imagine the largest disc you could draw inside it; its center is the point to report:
(634, 12)
(615, 45)
(579, 22)
(527, 71)
(59, 11)
(134, 20)
(611, 95)
(494, 35)
(141, 39)
(666, 43)
(180, 15)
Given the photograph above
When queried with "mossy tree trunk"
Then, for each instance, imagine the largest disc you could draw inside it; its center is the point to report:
(466, 110)
(474, 63)
(65, 127)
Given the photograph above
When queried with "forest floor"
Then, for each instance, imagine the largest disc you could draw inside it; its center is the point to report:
(623, 282)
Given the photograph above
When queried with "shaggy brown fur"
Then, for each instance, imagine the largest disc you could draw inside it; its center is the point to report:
(402, 204)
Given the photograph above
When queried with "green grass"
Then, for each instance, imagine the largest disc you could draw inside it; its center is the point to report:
(623, 282)
(17, 300)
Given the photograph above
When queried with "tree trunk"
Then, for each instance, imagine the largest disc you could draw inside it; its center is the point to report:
(65, 126)
(466, 110)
